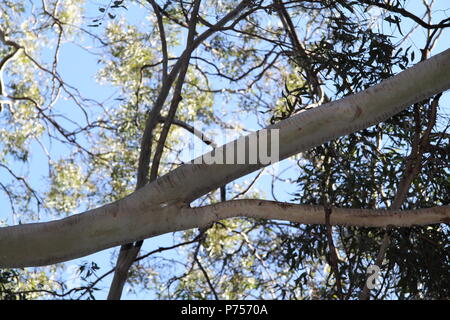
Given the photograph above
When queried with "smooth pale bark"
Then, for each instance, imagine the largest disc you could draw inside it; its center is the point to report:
(81, 231)
(312, 214)
(158, 207)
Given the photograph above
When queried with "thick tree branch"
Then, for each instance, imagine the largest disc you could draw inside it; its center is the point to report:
(4, 61)
(314, 214)
(157, 207)
(51, 242)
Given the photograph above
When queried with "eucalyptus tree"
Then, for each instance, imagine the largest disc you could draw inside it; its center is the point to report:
(340, 82)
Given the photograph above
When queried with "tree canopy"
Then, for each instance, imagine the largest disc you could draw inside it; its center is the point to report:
(100, 101)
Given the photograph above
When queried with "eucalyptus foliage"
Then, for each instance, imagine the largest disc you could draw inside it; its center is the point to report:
(65, 151)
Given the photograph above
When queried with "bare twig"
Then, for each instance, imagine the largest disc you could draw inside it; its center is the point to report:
(333, 255)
